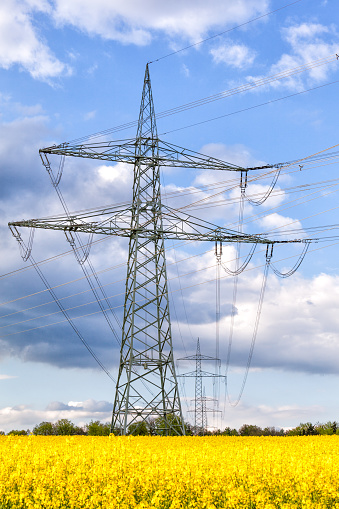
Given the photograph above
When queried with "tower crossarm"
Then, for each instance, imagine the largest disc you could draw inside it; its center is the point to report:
(115, 151)
(181, 157)
(195, 357)
(123, 151)
(175, 226)
(202, 373)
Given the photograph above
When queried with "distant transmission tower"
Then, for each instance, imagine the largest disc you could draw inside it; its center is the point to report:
(147, 385)
(200, 409)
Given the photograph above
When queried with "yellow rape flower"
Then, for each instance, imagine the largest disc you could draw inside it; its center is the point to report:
(169, 472)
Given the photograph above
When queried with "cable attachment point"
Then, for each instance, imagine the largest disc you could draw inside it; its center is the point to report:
(269, 252)
(25, 252)
(84, 250)
(243, 181)
(55, 180)
(218, 250)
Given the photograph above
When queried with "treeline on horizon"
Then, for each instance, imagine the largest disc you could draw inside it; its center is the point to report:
(155, 427)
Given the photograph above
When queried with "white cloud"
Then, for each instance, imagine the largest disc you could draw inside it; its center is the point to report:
(234, 55)
(185, 70)
(7, 377)
(24, 416)
(235, 154)
(299, 323)
(120, 172)
(274, 222)
(304, 32)
(20, 43)
(90, 115)
(134, 22)
(271, 415)
(308, 42)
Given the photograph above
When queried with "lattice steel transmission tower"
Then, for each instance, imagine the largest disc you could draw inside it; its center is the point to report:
(147, 385)
(146, 331)
(200, 399)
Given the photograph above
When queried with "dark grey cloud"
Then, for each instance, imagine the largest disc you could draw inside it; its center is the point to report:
(288, 340)
(20, 167)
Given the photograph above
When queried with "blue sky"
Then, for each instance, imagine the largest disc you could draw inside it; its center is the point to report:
(69, 69)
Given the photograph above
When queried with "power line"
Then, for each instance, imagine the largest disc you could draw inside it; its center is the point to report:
(312, 230)
(220, 95)
(224, 32)
(69, 320)
(248, 109)
(175, 194)
(256, 324)
(307, 159)
(185, 287)
(81, 279)
(255, 217)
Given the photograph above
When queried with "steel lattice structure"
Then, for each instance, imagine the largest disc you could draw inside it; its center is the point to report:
(200, 410)
(147, 385)
(146, 333)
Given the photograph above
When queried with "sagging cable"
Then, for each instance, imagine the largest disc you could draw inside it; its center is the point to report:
(57, 301)
(296, 266)
(269, 254)
(236, 272)
(240, 269)
(268, 192)
(85, 257)
(84, 248)
(47, 165)
(25, 252)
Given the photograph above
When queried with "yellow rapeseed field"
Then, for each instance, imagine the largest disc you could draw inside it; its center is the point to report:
(175, 472)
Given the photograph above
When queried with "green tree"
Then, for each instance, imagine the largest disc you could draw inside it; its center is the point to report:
(152, 427)
(44, 428)
(327, 428)
(231, 432)
(66, 427)
(250, 430)
(96, 428)
(138, 428)
(271, 431)
(304, 428)
(188, 429)
(17, 432)
(175, 426)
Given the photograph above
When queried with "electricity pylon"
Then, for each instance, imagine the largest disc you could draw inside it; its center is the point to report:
(200, 399)
(146, 331)
(147, 386)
